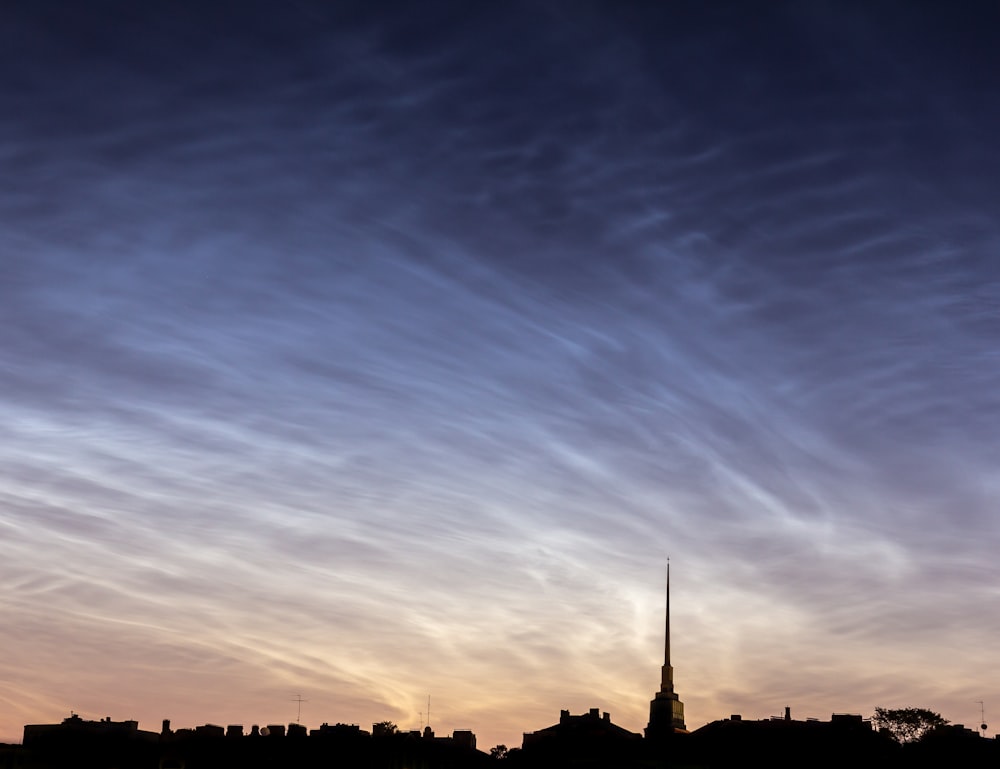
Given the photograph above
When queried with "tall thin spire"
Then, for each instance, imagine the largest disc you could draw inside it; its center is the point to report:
(666, 711)
(667, 676)
(666, 650)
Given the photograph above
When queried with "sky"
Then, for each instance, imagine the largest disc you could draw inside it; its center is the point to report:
(371, 352)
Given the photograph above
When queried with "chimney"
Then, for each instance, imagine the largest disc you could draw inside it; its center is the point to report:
(788, 713)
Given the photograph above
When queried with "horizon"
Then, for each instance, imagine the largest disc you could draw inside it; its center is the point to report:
(483, 747)
(366, 353)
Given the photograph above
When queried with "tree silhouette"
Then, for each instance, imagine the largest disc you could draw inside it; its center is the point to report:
(498, 752)
(907, 724)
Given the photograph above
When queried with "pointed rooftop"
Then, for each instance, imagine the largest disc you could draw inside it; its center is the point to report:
(666, 711)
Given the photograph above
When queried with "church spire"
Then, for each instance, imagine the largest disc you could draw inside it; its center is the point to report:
(666, 650)
(666, 711)
(667, 675)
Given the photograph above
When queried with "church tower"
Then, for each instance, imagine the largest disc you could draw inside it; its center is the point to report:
(666, 711)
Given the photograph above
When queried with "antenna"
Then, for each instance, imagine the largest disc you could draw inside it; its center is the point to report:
(428, 710)
(982, 718)
(298, 715)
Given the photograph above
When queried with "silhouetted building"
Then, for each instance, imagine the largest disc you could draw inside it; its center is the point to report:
(587, 740)
(12, 756)
(75, 728)
(780, 741)
(89, 745)
(952, 745)
(586, 729)
(343, 731)
(464, 738)
(666, 711)
(210, 730)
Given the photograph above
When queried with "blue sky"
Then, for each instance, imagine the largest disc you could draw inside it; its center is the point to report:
(366, 354)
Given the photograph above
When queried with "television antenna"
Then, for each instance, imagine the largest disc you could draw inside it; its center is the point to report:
(298, 715)
(982, 718)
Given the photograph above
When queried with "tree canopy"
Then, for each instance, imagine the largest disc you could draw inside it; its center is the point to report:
(907, 724)
(382, 728)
